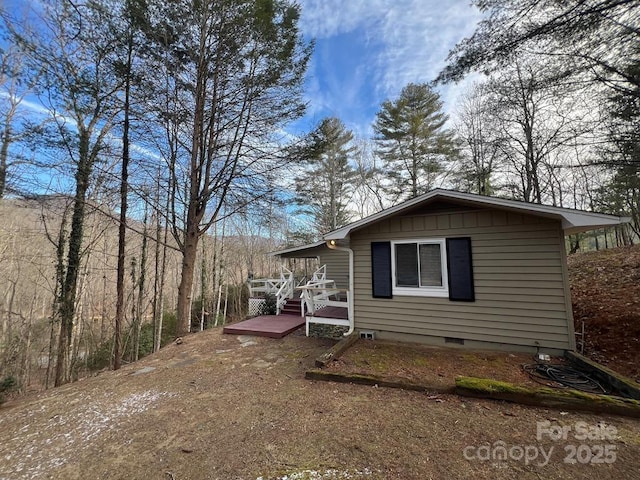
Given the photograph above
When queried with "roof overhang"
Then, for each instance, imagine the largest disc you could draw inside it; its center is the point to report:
(310, 250)
(573, 221)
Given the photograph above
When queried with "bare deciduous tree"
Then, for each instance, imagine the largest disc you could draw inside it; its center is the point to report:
(480, 144)
(536, 118)
(69, 53)
(236, 69)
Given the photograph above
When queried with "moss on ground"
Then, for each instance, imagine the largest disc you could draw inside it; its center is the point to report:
(543, 394)
(378, 361)
(631, 438)
(489, 385)
(421, 361)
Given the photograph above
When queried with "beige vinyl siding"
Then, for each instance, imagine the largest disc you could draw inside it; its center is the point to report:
(522, 296)
(337, 262)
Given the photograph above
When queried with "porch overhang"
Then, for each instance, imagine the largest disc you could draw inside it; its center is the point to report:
(310, 250)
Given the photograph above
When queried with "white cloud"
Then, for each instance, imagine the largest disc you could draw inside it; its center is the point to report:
(418, 36)
(24, 103)
(327, 18)
(407, 41)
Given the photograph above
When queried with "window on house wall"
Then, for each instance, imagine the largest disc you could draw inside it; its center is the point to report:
(430, 268)
(420, 268)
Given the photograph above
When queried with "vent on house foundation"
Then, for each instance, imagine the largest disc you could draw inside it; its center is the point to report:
(458, 341)
(367, 335)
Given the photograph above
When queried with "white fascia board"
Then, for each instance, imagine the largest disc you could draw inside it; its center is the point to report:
(572, 223)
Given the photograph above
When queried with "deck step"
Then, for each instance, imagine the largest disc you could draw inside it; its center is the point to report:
(271, 326)
(292, 307)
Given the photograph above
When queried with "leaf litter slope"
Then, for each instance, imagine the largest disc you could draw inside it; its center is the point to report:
(605, 290)
(227, 407)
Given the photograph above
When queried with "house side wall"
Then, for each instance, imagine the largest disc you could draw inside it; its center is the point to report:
(522, 300)
(337, 262)
(567, 289)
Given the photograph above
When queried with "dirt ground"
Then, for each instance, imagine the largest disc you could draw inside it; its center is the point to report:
(228, 407)
(605, 290)
(433, 365)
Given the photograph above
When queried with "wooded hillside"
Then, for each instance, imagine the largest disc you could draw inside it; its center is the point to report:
(605, 289)
(29, 239)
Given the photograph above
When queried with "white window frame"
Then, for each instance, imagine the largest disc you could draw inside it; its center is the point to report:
(442, 291)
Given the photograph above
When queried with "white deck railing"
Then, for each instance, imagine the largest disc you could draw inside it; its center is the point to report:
(325, 294)
(317, 293)
(285, 291)
(281, 288)
(319, 275)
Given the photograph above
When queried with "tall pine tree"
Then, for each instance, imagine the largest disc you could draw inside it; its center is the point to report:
(324, 189)
(413, 141)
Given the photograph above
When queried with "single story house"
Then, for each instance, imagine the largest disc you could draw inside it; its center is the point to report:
(452, 268)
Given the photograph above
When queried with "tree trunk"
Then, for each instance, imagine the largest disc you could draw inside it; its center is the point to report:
(103, 315)
(141, 285)
(134, 318)
(158, 290)
(55, 311)
(26, 364)
(189, 254)
(574, 244)
(77, 330)
(7, 327)
(226, 304)
(122, 226)
(4, 340)
(68, 294)
(53, 333)
(155, 305)
(4, 156)
(195, 211)
(203, 284)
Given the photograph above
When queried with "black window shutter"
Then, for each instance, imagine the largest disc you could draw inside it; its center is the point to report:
(381, 269)
(460, 269)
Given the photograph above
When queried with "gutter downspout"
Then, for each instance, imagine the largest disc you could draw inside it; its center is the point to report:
(333, 246)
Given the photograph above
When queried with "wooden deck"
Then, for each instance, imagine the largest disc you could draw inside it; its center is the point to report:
(332, 312)
(329, 315)
(272, 326)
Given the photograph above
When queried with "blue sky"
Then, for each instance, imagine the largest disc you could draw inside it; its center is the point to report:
(367, 50)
